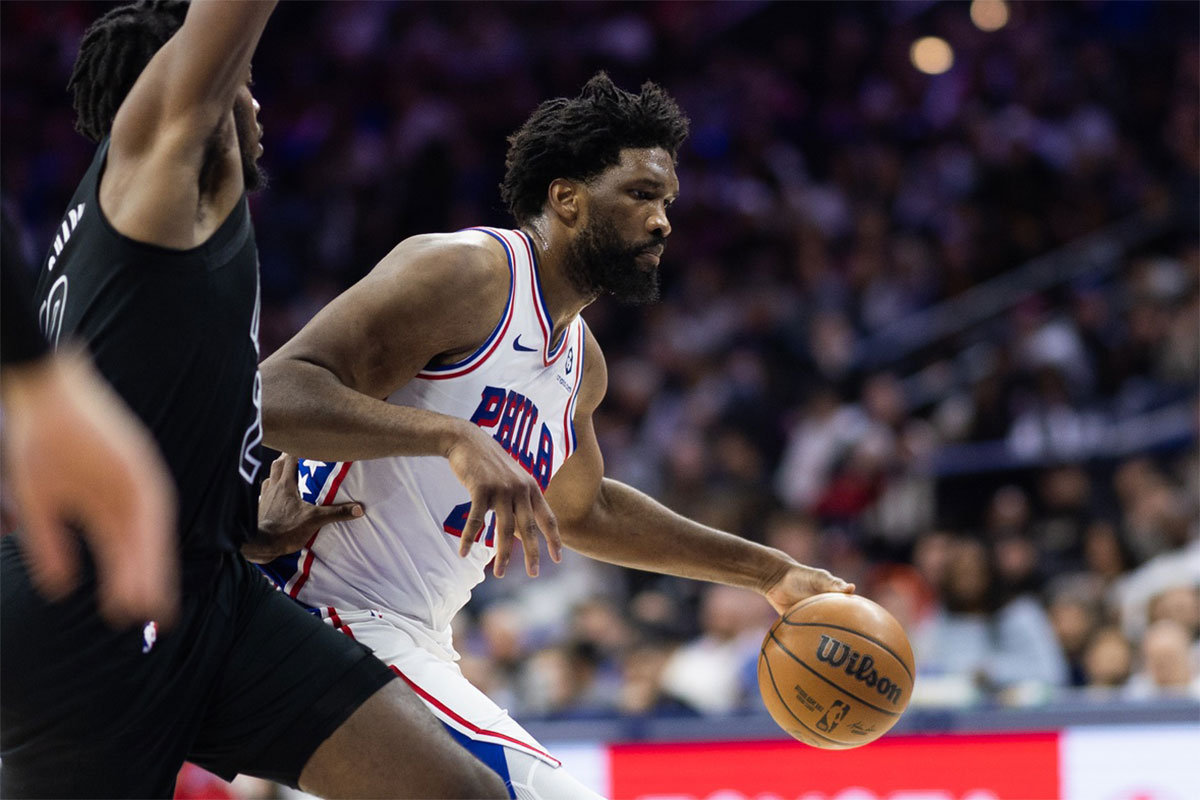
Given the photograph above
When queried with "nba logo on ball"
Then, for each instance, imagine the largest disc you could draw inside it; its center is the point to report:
(836, 671)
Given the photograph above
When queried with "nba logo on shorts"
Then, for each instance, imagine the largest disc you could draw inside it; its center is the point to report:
(149, 636)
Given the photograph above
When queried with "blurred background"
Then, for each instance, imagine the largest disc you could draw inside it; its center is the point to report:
(931, 320)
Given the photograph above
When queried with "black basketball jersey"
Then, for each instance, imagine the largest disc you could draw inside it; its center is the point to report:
(176, 334)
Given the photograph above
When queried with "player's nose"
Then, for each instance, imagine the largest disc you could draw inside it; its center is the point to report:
(657, 223)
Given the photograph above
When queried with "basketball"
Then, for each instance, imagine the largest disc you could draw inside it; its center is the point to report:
(836, 671)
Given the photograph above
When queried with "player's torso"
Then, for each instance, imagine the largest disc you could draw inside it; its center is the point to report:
(402, 556)
(175, 333)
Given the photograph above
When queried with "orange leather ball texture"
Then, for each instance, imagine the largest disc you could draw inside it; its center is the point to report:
(836, 671)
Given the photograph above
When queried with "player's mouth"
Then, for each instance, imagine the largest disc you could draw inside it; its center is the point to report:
(649, 258)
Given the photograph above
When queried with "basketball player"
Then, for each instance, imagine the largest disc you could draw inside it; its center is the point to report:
(490, 379)
(155, 268)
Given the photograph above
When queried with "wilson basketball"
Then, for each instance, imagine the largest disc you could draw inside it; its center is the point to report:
(836, 671)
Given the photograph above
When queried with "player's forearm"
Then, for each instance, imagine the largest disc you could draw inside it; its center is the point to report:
(628, 528)
(216, 43)
(308, 412)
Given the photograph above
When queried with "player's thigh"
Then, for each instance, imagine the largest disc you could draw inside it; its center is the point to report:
(392, 746)
(438, 681)
(301, 704)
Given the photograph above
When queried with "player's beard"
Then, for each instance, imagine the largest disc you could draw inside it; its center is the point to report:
(253, 175)
(599, 262)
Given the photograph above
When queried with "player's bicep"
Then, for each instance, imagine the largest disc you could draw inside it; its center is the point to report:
(371, 338)
(574, 492)
(411, 308)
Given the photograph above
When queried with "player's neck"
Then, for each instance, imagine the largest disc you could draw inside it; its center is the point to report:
(563, 300)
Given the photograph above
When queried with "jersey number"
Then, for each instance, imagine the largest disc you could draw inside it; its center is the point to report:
(250, 461)
(248, 467)
(457, 520)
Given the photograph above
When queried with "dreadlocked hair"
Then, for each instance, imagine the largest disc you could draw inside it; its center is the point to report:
(114, 51)
(580, 138)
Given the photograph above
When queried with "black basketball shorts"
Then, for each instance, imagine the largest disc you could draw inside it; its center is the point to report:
(246, 681)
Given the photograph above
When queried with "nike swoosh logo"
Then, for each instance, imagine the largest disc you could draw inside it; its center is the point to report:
(518, 346)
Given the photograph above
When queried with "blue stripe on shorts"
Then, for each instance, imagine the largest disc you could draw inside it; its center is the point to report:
(490, 754)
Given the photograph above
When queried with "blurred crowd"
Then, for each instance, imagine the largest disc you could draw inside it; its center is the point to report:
(1022, 491)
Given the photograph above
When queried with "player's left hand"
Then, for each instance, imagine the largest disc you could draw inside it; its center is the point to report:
(799, 583)
(285, 521)
(84, 457)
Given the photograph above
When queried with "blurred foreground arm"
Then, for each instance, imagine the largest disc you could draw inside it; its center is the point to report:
(74, 454)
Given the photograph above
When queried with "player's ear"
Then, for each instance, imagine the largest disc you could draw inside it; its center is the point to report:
(565, 199)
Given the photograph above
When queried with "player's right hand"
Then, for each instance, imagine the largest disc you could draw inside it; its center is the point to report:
(799, 582)
(497, 483)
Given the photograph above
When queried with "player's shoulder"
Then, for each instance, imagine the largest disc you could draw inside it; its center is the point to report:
(470, 259)
(448, 272)
(471, 251)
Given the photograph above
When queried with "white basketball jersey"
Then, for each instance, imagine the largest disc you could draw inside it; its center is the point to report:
(402, 555)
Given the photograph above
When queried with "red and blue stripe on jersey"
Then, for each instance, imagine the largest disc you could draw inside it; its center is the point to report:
(318, 482)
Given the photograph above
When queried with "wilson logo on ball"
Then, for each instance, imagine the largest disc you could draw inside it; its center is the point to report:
(859, 666)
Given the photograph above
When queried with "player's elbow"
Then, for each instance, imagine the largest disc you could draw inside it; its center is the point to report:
(584, 533)
(283, 397)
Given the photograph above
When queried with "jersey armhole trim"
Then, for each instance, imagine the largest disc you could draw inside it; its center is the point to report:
(292, 587)
(549, 354)
(569, 413)
(471, 362)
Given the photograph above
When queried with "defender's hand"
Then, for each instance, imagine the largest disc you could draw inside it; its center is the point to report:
(496, 481)
(285, 522)
(800, 582)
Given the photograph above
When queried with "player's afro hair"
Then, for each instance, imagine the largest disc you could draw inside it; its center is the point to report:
(114, 51)
(580, 138)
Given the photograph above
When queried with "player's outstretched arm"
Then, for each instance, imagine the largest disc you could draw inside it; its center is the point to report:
(612, 522)
(433, 297)
(180, 107)
(75, 454)
(188, 87)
